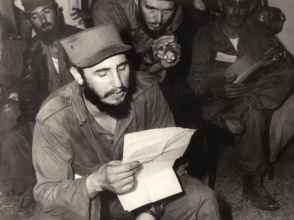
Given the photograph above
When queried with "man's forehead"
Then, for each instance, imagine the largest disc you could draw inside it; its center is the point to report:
(38, 9)
(159, 3)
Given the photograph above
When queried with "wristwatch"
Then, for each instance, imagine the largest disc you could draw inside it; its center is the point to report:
(156, 210)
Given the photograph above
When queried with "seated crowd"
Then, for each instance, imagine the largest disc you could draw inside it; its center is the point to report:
(69, 96)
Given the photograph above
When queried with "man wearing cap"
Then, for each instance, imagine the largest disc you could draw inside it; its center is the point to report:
(46, 68)
(238, 106)
(148, 25)
(79, 137)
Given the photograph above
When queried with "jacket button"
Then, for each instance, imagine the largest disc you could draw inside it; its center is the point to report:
(67, 98)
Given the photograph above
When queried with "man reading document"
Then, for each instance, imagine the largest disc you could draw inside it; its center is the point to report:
(79, 137)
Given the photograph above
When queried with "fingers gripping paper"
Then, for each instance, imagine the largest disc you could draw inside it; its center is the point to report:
(157, 150)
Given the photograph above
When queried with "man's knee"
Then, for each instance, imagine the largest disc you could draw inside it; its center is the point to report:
(254, 117)
(198, 191)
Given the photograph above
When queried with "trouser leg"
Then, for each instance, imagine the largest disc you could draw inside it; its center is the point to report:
(249, 143)
(198, 202)
(18, 144)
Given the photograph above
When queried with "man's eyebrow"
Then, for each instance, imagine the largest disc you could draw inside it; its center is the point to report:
(123, 63)
(102, 70)
(151, 7)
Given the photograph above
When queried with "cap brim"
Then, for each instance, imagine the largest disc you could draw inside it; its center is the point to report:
(102, 55)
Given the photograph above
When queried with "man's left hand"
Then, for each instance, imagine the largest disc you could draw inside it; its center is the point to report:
(177, 49)
(80, 14)
(145, 216)
(273, 55)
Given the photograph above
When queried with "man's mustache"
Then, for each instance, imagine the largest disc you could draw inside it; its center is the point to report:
(154, 23)
(114, 91)
(47, 24)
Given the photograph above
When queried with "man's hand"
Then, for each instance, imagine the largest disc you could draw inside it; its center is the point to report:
(114, 177)
(80, 14)
(177, 49)
(145, 216)
(198, 4)
(181, 169)
(273, 55)
(227, 89)
(160, 45)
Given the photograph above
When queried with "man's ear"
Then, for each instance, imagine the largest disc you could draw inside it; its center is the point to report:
(137, 2)
(30, 23)
(220, 4)
(75, 73)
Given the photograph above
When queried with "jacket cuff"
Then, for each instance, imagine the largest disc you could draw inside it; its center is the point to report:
(84, 197)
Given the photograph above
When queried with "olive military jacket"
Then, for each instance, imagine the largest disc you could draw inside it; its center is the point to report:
(66, 146)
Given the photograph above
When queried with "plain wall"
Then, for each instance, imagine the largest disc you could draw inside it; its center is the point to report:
(287, 34)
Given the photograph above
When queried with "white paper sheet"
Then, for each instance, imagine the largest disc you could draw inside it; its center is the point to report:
(157, 150)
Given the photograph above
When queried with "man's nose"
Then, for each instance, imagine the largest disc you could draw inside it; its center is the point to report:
(158, 17)
(236, 9)
(43, 19)
(116, 80)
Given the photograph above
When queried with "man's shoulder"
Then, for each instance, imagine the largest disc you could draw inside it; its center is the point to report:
(56, 101)
(145, 84)
(210, 29)
(256, 26)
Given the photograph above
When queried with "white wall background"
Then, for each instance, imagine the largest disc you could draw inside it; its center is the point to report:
(287, 34)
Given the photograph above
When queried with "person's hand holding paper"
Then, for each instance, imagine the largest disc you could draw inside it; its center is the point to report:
(157, 150)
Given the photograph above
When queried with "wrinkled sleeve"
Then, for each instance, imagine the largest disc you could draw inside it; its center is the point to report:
(161, 116)
(198, 76)
(56, 190)
(272, 88)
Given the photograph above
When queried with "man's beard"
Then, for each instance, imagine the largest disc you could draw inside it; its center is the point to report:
(119, 111)
(156, 33)
(48, 37)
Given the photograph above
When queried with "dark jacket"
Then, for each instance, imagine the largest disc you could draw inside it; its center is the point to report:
(34, 78)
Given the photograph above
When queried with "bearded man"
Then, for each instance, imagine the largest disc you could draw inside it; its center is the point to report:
(238, 106)
(147, 25)
(46, 68)
(79, 137)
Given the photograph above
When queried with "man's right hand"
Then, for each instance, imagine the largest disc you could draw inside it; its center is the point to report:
(227, 89)
(114, 177)
(160, 45)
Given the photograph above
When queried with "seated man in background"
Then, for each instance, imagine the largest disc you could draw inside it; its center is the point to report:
(46, 68)
(148, 25)
(231, 105)
(79, 137)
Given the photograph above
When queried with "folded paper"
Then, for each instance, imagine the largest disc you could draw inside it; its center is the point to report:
(157, 150)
